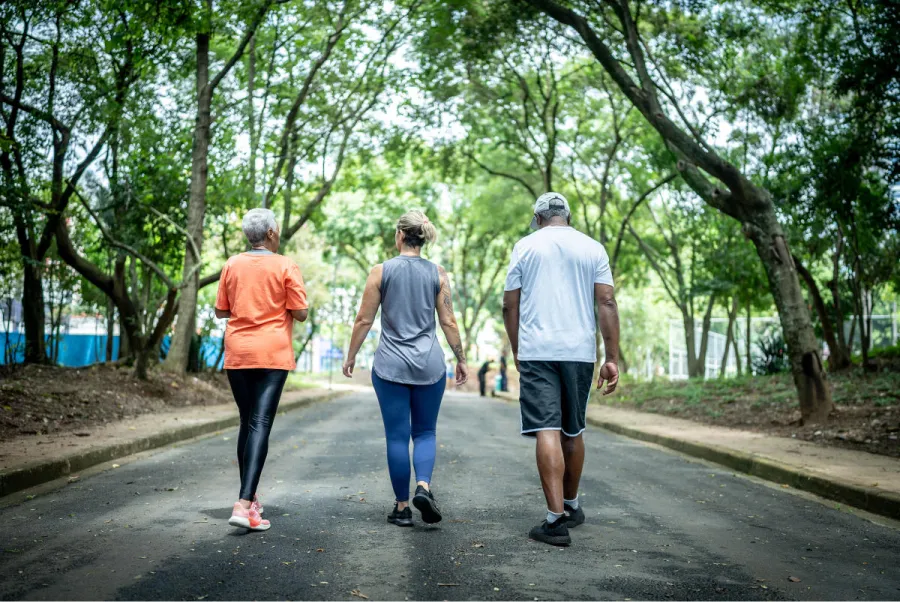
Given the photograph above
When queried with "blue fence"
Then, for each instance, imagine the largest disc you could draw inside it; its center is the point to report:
(76, 350)
(209, 350)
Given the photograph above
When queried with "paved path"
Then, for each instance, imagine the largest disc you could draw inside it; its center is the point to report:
(659, 526)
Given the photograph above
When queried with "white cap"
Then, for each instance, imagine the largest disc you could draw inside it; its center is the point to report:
(549, 200)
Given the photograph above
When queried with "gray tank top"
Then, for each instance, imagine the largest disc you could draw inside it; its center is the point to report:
(408, 351)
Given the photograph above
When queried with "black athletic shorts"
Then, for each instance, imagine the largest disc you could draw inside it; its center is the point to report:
(554, 396)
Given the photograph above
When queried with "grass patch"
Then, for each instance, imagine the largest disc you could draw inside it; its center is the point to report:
(298, 382)
(867, 405)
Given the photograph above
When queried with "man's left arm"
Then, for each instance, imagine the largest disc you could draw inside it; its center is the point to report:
(608, 316)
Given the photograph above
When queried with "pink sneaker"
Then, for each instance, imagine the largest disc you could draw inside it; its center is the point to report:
(256, 505)
(247, 518)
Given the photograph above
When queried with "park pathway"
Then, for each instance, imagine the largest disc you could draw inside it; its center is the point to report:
(659, 526)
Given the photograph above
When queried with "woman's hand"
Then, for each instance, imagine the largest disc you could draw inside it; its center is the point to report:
(462, 373)
(349, 363)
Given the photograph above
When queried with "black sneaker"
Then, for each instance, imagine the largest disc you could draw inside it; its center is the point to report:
(556, 534)
(401, 518)
(573, 517)
(424, 503)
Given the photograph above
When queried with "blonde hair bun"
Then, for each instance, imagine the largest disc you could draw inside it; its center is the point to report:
(417, 228)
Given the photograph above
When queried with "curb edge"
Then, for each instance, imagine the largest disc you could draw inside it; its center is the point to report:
(869, 499)
(17, 479)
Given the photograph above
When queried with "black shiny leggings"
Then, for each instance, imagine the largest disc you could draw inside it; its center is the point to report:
(257, 392)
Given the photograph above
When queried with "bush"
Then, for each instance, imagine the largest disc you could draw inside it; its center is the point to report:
(773, 354)
(892, 352)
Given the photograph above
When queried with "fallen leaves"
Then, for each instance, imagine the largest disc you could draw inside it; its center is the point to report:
(74, 478)
(794, 579)
(448, 584)
(477, 544)
(320, 549)
(359, 594)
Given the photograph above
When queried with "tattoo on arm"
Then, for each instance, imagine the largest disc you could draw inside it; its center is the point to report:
(458, 352)
(446, 298)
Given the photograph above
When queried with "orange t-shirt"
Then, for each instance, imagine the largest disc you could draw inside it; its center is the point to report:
(259, 289)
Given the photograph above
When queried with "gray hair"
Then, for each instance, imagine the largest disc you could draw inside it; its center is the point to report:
(257, 223)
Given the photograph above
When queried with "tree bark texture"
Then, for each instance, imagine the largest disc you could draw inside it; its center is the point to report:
(177, 359)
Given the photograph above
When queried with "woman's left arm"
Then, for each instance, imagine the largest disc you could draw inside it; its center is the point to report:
(444, 305)
(368, 308)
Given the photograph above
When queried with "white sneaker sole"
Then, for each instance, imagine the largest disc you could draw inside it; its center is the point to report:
(240, 521)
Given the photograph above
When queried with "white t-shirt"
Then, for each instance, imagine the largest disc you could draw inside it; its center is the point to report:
(556, 268)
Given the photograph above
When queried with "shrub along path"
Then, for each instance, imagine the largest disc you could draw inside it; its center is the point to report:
(867, 415)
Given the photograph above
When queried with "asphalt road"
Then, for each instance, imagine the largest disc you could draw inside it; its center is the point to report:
(658, 525)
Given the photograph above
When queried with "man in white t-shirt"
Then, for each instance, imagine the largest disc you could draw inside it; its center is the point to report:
(555, 277)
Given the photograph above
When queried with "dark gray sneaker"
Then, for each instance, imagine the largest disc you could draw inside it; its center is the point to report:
(556, 534)
(573, 517)
(401, 518)
(425, 503)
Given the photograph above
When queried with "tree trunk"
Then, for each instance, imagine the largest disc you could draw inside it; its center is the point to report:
(839, 358)
(737, 352)
(690, 344)
(142, 363)
(623, 362)
(865, 323)
(729, 337)
(179, 351)
(704, 336)
(251, 119)
(125, 346)
(33, 313)
(747, 342)
(313, 327)
(806, 360)
(110, 325)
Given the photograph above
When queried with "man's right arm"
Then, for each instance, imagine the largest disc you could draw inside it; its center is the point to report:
(512, 296)
(608, 315)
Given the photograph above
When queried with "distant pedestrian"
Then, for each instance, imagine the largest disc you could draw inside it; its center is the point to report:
(408, 371)
(504, 384)
(482, 378)
(555, 277)
(261, 293)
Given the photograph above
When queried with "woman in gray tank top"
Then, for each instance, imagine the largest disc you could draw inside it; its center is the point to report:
(408, 374)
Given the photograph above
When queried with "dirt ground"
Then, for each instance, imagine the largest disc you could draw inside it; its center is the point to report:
(48, 399)
(866, 416)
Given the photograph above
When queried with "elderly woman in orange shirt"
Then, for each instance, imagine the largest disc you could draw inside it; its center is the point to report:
(261, 293)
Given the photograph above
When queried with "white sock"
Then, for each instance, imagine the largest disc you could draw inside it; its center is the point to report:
(552, 517)
(573, 504)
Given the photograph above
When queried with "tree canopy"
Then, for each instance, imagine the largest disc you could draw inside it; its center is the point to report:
(732, 157)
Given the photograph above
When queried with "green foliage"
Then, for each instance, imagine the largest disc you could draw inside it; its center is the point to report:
(341, 115)
(772, 357)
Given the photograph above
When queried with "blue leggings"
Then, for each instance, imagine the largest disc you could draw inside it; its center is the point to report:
(399, 403)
